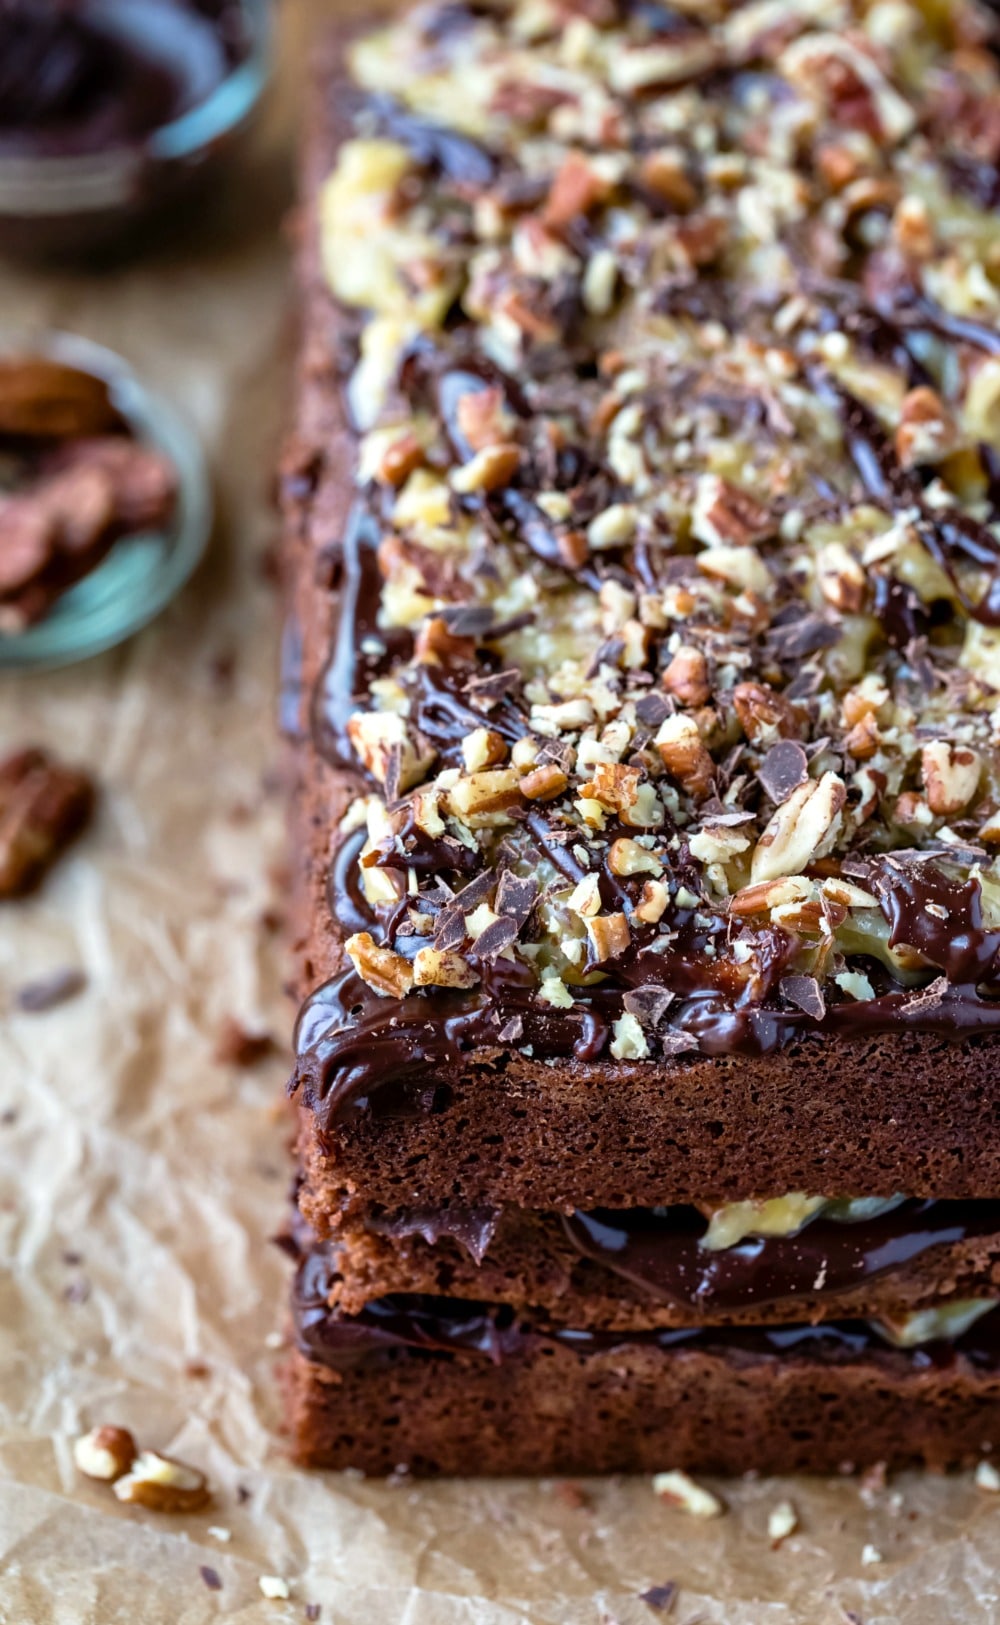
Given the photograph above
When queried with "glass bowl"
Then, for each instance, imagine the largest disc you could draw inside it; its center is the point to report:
(141, 573)
(99, 203)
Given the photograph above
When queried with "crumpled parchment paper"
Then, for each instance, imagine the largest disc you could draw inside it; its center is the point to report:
(141, 1178)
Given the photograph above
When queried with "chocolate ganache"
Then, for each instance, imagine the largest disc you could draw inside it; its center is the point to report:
(498, 1333)
(662, 1251)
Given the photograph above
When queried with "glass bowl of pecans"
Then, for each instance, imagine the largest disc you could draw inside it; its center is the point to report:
(105, 501)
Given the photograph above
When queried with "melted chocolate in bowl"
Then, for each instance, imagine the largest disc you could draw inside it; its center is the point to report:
(95, 102)
(105, 73)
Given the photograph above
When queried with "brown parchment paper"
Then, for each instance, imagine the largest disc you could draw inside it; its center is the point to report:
(140, 1178)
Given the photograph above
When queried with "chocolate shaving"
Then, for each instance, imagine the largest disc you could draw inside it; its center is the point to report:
(805, 993)
(515, 896)
(652, 709)
(511, 1031)
(675, 1042)
(498, 936)
(662, 1598)
(648, 1004)
(783, 769)
(489, 690)
(801, 635)
(393, 772)
(436, 147)
(467, 620)
(50, 991)
(451, 930)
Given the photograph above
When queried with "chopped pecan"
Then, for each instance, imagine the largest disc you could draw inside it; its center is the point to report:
(950, 775)
(609, 936)
(686, 676)
(577, 188)
(385, 971)
(483, 747)
(804, 828)
(626, 857)
(442, 967)
(864, 738)
(614, 786)
(841, 578)
(400, 459)
(163, 1484)
(664, 173)
(652, 905)
(488, 470)
(926, 432)
(43, 806)
(544, 783)
(765, 715)
(724, 515)
(104, 1453)
(485, 795)
(684, 755)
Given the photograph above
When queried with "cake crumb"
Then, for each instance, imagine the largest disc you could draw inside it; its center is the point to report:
(218, 1533)
(987, 1478)
(680, 1490)
(274, 1588)
(870, 1555)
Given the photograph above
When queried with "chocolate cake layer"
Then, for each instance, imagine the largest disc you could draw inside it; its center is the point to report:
(437, 1386)
(636, 1269)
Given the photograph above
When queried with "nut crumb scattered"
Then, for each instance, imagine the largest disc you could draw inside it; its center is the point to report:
(105, 1453)
(870, 1555)
(274, 1588)
(218, 1533)
(783, 1520)
(987, 1478)
(680, 1490)
(163, 1484)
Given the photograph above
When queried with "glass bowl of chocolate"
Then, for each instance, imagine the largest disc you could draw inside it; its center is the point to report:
(105, 501)
(114, 112)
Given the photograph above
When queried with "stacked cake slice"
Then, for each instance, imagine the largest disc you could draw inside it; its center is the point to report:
(643, 539)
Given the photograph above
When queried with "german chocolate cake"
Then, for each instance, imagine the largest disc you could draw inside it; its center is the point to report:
(642, 532)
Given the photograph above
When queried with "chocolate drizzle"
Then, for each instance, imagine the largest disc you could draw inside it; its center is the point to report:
(661, 1251)
(473, 1228)
(947, 535)
(360, 652)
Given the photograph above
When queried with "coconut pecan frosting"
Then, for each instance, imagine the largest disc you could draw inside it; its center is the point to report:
(669, 641)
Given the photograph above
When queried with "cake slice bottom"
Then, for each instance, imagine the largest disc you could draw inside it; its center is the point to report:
(438, 1385)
